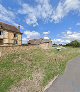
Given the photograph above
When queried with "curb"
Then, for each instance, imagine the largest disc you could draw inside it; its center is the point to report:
(50, 83)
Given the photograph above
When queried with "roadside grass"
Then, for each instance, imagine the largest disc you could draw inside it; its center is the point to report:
(22, 64)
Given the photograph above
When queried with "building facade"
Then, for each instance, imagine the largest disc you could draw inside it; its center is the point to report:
(10, 35)
(43, 43)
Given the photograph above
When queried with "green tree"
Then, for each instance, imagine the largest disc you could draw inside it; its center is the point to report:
(74, 43)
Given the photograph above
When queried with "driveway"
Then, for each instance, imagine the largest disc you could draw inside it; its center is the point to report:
(69, 81)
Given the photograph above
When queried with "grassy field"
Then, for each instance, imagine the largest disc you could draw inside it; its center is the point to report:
(33, 69)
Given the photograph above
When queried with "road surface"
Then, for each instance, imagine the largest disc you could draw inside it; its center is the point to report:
(69, 81)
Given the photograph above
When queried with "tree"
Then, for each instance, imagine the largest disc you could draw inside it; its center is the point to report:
(74, 43)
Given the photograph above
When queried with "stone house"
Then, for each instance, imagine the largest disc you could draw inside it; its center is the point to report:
(43, 43)
(10, 35)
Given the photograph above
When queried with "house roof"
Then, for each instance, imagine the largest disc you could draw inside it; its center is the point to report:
(9, 27)
(34, 42)
(38, 41)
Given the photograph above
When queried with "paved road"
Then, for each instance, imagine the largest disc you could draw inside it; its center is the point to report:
(70, 81)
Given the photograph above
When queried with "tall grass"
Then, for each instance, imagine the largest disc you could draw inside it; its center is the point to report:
(22, 65)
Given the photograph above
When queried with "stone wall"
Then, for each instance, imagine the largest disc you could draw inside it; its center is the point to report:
(5, 50)
(46, 45)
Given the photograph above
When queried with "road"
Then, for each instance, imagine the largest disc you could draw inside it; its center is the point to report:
(69, 81)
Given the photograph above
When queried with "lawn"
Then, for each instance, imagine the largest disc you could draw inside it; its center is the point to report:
(33, 68)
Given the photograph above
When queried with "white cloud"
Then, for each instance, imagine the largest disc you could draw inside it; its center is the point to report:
(60, 41)
(32, 35)
(67, 37)
(64, 8)
(42, 10)
(46, 33)
(24, 40)
(45, 11)
(29, 35)
(28, 10)
(32, 20)
(69, 33)
(7, 15)
(78, 24)
(46, 37)
(72, 36)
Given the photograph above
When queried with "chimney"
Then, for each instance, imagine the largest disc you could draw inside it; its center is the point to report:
(19, 27)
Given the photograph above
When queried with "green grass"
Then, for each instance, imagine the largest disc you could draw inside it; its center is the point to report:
(21, 65)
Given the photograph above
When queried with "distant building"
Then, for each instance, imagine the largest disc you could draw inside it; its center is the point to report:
(43, 43)
(10, 35)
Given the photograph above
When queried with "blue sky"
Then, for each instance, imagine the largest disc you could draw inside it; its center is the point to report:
(58, 20)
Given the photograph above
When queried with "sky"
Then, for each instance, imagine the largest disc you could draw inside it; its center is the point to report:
(58, 20)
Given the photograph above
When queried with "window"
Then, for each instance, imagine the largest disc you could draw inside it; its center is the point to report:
(15, 42)
(15, 35)
(1, 41)
(0, 32)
